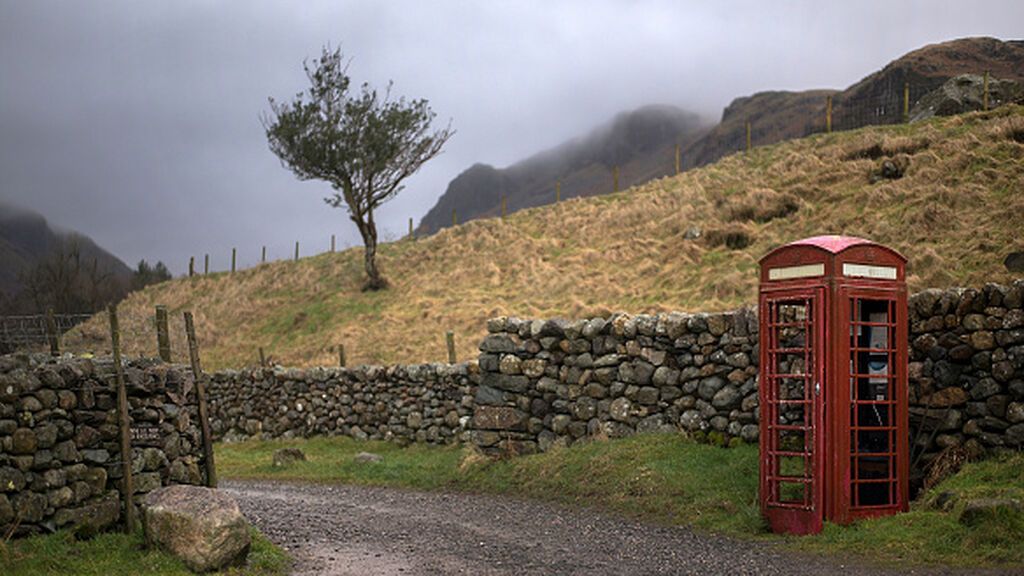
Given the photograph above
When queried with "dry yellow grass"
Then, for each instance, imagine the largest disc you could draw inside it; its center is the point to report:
(956, 212)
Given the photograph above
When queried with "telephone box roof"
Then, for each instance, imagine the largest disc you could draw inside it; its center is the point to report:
(834, 244)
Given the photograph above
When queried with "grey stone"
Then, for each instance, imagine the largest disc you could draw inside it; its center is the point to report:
(708, 387)
(201, 526)
(367, 458)
(620, 409)
(284, 457)
(978, 510)
(727, 397)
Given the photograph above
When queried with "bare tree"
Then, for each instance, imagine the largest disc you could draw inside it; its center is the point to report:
(362, 143)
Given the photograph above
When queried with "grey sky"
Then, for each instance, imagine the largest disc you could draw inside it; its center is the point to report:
(138, 122)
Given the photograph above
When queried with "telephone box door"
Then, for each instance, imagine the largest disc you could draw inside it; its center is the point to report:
(792, 409)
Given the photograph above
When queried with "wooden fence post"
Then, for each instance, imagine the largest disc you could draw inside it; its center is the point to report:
(678, 158)
(127, 485)
(332, 243)
(52, 334)
(263, 256)
(191, 266)
(412, 234)
(204, 416)
(206, 264)
(748, 135)
(263, 359)
(558, 191)
(504, 205)
(163, 335)
(906, 102)
(455, 218)
(341, 355)
(984, 95)
(615, 179)
(828, 114)
(296, 250)
(449, 338)
(233, 254)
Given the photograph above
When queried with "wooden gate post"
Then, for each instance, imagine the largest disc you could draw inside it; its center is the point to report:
(296, 250)
(234, 252)
(412, 234)
(206, 264)
(52, 334)
(204, 416)
(163, 335)
(449, 337)
(127, 485)
(828, 114)
(341, 355)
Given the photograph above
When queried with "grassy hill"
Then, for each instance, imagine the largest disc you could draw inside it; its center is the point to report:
(956, 212)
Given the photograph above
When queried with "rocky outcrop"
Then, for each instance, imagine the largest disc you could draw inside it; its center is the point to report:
(966, 93)
(202, 526)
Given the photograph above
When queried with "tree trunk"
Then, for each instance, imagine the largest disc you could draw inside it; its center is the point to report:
(368, 230)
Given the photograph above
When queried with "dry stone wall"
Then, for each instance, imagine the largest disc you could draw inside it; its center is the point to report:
(60, 460)
(415, 403)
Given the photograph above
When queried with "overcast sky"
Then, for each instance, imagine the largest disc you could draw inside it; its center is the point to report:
(138, 123)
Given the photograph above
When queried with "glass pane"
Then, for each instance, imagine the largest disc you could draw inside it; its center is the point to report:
(873, 494)
(869, 441)
(872, 467)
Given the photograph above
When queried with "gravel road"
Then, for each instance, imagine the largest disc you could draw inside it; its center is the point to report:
(352, 530)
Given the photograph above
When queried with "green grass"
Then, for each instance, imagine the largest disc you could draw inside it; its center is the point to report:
(665, 479)
(115, 554)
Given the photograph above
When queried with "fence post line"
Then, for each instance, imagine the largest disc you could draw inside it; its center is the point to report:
(263, 256)
(51, 333)
(412, 234)
(206, 264)
(127, 484)
(163, 335)
(449, 337)
(984, 96)
(191, 266)
(504, 205)
(906, 101)
(332, 243)
(828, 114)
(455, 217)
(678, 158)
(558, 191)
(748, 135)
(204, 416)
(296, 250)
(233, 252)
(341, 355)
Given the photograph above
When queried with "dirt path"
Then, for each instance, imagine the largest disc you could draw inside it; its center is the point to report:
(351, 530)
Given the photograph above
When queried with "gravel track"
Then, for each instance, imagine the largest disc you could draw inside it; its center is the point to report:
(354, 530)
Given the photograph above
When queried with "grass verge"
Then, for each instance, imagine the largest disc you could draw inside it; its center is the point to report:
(663, 478)
(116, 554)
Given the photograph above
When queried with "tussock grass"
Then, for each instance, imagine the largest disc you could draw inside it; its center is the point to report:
(669, 479)
(117, 554)
(955, 213)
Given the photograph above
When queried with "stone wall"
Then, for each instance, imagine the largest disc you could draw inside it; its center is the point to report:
(416, 403)
(967, 368)
(60, 460)
(554, 382)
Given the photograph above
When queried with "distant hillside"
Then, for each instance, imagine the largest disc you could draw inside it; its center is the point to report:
(689, 242)
(26, 238)
(773, 116)
(641, 143)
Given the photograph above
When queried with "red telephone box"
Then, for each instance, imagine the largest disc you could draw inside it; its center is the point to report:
(833, 383)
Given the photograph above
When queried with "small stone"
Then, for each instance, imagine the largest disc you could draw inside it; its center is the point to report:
(620, 409)
(24, 441)
(285, 457)
(367, 458)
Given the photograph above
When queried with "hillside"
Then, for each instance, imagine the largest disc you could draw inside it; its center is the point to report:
(955, 213)
(26, 238)
(641, 143)
(775, 116)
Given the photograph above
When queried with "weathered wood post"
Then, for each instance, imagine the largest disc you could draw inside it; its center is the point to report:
(52, 334)
(263, 256)
(204, 416)
(341, 355)
(678, 159)
(449, 338)
(828, 114)
(455, 218)
(233, 254)
(748, 135)
(296, 250)
(906, 102)
(504, 205)
(163, 335)
(412, 234)
(332, 243)
(615, 179)
(191, 266)
(206, 264)
(263, 359)
(558, 191)
(127, 484)
(984, 95)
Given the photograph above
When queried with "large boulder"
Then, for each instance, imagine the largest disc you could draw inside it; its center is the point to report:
(202, 526)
